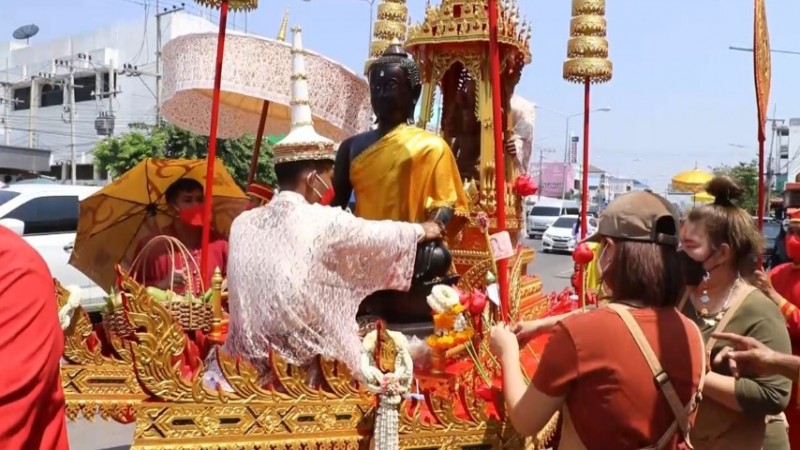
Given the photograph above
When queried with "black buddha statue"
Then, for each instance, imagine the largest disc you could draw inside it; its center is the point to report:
(403, 173)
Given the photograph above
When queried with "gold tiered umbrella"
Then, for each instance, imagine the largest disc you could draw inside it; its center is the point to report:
(693, 181)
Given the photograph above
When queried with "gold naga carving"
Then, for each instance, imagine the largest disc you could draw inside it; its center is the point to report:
(94, 383)
(290, 414)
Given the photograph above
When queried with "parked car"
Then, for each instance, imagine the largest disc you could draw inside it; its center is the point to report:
(46, 216)
(559, 237)
(545, 212)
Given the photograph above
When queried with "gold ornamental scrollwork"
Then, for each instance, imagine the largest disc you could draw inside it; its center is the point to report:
(587, 47)
(588, 7)
(588, 26)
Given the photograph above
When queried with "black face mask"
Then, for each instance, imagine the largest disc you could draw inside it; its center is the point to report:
(693, 271)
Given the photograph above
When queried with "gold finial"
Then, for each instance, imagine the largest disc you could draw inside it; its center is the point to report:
(216, 306)
(587, 49)
(284, 26)
(390, 25)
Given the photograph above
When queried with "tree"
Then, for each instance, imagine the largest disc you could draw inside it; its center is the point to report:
(746, 176)
(119, 154)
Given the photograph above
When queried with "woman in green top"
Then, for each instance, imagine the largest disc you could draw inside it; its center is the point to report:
(718, 242)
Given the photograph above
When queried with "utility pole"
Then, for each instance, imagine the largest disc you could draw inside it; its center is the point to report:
(542, 151)
(159, 15)
(69, 114)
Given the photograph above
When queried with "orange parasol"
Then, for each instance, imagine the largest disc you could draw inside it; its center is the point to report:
(116, 218)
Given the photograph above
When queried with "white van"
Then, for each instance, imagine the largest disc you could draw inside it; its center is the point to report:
(545, 212)
(46, 216)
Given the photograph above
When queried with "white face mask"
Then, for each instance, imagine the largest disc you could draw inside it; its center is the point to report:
(318, 178)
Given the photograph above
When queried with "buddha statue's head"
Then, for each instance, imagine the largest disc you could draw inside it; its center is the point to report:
(395, 86)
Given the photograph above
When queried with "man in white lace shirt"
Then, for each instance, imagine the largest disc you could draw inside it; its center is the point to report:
(298, 270)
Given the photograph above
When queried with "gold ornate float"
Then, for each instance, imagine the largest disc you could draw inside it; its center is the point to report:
(96, 371)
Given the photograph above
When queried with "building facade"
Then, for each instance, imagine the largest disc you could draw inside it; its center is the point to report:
(112, 72)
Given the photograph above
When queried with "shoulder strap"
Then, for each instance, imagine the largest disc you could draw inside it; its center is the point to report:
(682, 413)
(685, 298)
(741, 293)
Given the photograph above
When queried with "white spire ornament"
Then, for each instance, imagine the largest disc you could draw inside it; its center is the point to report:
(302, 143)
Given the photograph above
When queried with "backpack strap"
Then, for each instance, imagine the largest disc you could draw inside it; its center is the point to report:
(741, 293)
(681, 412)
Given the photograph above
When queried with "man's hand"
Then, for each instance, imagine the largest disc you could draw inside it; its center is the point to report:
(433, 231)
(746, 356)
(511, 145)
(761, 281)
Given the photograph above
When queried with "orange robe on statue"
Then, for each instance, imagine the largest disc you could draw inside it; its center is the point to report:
(785, 279)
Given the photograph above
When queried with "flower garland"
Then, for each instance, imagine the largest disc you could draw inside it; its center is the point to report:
(451, 325)
(73, 302)
(390, 387)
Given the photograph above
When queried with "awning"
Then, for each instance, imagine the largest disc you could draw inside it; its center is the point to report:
(23, 158)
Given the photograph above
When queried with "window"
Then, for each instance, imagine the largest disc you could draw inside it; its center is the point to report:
(48, 215)
(5, 195)
(22, 98)
(85, 87)
(572, 211)
(545, 211)
(52, 95)
(565, 222)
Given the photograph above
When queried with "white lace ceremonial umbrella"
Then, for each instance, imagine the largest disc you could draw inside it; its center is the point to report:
(254, 70)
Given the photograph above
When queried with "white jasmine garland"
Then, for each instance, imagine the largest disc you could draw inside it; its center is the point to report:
(73, 302)
(442, 298)
(390, 387)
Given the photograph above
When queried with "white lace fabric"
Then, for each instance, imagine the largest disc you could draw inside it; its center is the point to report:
(297, 273)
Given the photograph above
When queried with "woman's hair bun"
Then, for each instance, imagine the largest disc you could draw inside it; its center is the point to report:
(724, 190)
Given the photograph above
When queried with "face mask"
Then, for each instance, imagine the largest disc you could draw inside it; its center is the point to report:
(326, 197)
(192, 216)
(793, 247)
(693, 271)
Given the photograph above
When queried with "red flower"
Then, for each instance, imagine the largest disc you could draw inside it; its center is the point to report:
(525, 186)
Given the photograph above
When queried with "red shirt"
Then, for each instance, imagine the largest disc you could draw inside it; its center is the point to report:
(32, 407)
(158, 264)
(612, 398)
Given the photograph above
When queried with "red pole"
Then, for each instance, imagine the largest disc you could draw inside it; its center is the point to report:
(257, 147)
(585, 175)
(499, 155)
(584, 185)
(212, 141)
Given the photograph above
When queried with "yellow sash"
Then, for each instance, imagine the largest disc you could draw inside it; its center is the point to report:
(406, 174)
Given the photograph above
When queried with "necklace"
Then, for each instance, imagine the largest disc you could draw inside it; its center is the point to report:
(711, 319)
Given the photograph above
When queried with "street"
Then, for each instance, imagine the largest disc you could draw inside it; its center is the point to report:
(554, 270)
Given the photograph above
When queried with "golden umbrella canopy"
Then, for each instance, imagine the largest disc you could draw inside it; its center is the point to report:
(703, 197)
(114, 220)
(693, 181)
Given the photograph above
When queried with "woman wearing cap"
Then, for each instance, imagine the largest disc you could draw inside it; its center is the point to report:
(718, 242)
(639, 392)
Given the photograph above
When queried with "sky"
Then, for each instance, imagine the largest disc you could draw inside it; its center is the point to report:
(679, 96)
